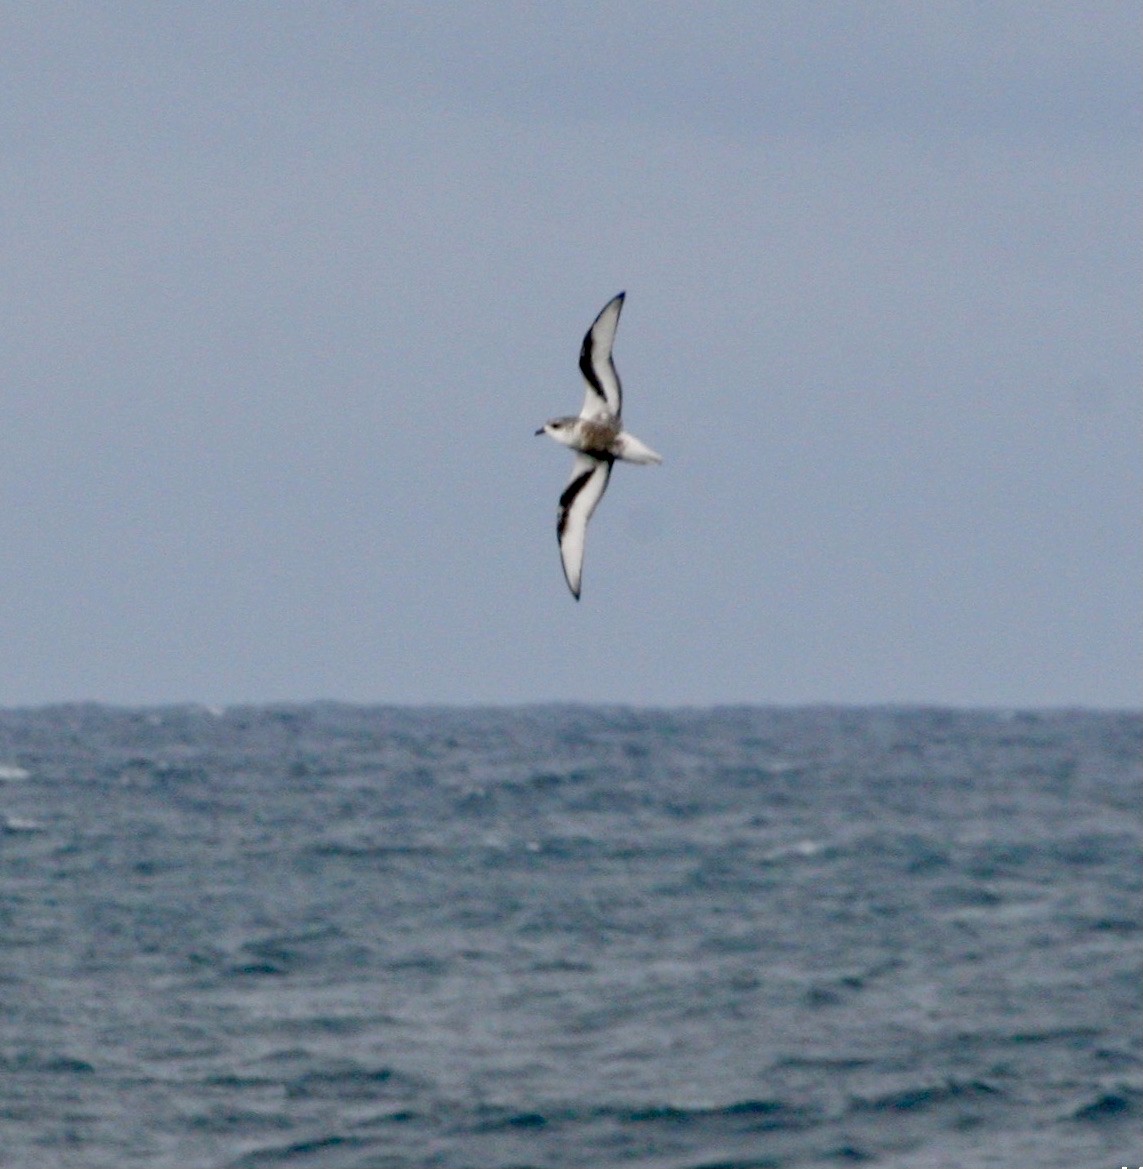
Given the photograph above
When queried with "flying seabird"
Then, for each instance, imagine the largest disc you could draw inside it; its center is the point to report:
(598, 438)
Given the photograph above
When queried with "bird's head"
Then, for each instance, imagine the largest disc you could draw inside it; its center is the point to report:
(561, 429)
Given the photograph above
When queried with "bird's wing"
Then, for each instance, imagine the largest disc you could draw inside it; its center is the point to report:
(580, 498)
(603, 393)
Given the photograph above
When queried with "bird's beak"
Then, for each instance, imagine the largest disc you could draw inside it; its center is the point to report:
(540, 431)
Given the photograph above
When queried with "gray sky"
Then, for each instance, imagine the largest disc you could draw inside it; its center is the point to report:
(287, 289)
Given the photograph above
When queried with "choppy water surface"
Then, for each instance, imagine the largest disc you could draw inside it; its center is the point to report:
(339, 936)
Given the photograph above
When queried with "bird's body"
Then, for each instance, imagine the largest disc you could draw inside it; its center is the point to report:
(598, 438)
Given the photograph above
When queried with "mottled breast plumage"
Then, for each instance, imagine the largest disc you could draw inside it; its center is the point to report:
(597, 435)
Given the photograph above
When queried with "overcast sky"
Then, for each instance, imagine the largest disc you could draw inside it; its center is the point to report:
(286, 290)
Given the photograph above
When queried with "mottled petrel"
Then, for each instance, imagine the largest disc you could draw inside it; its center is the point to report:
(598, 438)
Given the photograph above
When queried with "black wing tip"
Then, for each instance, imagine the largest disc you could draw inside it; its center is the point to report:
(618, 299)
(571, 588)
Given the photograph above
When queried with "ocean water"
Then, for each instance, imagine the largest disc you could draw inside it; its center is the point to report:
(328, 935)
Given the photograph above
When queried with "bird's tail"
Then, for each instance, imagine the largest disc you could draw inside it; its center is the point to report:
(630, 449)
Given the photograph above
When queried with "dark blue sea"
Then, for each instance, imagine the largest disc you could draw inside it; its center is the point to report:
(328, 935)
